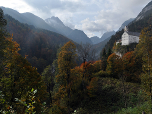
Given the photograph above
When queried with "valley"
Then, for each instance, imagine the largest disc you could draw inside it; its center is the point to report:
(47, 67)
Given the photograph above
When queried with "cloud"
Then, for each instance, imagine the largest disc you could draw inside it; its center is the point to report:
(114, 13)
(92, 16)
(18, 5)
(60, 5)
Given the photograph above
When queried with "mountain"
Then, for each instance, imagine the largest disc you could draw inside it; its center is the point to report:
(145, 12)
(28, 18)
(126, 23)
(53, 24)
(95, 39)
(143, 20)
(56, 23)
(40, 45)
(38, 22)
(79, 37)
(107, 35)
(16, 15)
(100, 46)
(75, 35)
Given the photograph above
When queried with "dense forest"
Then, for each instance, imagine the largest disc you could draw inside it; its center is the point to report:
(39, 45)
(113, 84)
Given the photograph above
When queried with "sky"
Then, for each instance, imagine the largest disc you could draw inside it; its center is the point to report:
(94, 17)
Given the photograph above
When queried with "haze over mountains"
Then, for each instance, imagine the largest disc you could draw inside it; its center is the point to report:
(56, 25)
(53, 24)
(106, 35)
(75, 35)
(126, 23)
(28, 18)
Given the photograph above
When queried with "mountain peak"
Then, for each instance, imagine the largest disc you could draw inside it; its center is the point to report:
(54, 20)
(145, 11)
(126, 23)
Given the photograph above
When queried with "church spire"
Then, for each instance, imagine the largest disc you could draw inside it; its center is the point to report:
(125, 29)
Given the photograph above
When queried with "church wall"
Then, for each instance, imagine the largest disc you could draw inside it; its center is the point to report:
(128, 37)
(125, 39)
(133, 39)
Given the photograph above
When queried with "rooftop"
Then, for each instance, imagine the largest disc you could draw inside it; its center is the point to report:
(134, 33)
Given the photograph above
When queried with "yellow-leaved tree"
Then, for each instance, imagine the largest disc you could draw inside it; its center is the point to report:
(144, 50)
(66, 61)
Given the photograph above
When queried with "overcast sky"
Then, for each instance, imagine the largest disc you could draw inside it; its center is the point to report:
(94, 17)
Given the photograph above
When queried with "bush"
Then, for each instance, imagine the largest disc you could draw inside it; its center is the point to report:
(101, 74)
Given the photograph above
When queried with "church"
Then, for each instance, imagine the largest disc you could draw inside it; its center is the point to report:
(129, 37)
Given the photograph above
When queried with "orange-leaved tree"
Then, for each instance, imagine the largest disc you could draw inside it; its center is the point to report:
(114, 65)
(132, 66)
(66, 61)
(19, 78)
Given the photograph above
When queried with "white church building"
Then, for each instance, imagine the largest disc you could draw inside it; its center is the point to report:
(129, 37)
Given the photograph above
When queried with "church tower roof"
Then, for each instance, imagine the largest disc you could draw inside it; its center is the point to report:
(126, 29)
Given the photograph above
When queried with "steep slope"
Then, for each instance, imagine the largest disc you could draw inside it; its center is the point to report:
(144, 19)
(100, 46)
(16, 15)
(58, 25)
(75, 35)
(38, 22)
(147, 10)
(126, 23)
(52, 24)
(28, 18)
(107, 35)
(40, 45)
(79, 37)
(95, 39)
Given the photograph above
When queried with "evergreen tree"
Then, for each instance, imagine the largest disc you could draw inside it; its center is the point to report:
(103, 60)
(48, 78)
(109, 52)
(3, 41)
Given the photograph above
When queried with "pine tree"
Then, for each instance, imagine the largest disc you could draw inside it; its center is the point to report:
(104, 60)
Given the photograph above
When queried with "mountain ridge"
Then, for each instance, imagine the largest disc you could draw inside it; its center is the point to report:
(38, 22)
(75, 35)
(106, 35)
(145, 11)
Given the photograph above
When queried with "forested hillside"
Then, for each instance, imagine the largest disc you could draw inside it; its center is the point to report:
(40, 46)
(111, 85)
(135, 26)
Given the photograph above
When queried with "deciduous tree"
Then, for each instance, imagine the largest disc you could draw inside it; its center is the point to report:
(66, 61)
(144, 50)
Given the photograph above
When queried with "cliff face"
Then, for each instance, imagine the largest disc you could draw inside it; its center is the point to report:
(145, 12)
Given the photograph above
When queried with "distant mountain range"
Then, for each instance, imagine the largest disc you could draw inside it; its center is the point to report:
(126, 23)
(106, 35)
(141, 21)
(75, 35)
(53, 24)
(28, 18)
(56, 23)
